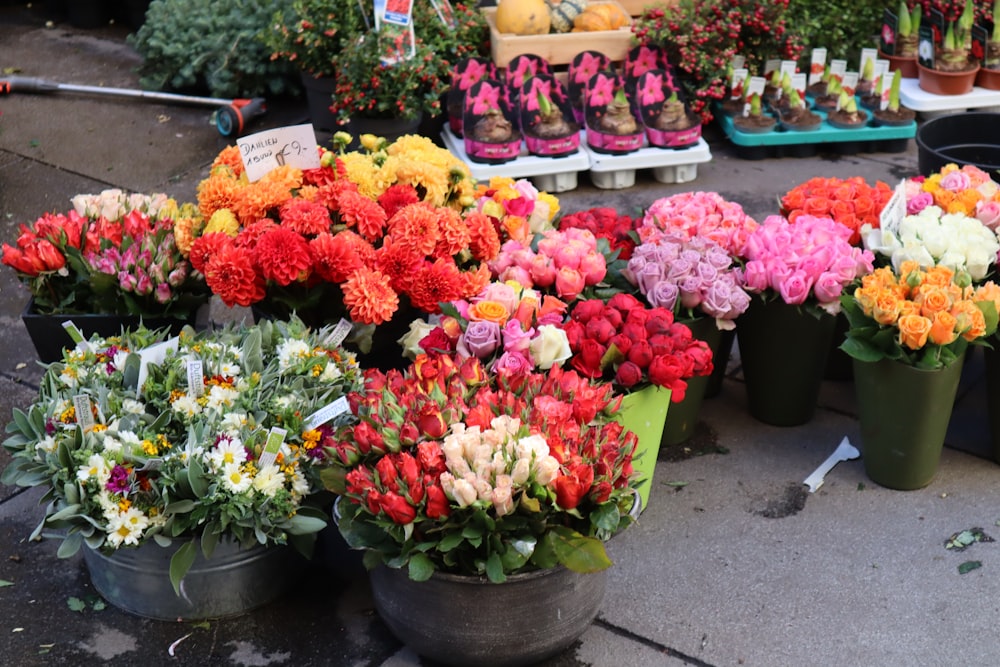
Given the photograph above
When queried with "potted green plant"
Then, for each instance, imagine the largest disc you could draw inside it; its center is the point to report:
(989, 74)
(954, 69)
(184, 468)
(904, 40)
(894, 113)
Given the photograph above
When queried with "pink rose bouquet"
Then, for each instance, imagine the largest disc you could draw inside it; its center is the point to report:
(810, 261)
(689, 276)
(513, 331)
(967, 190)
(704, 214)
(565, 263)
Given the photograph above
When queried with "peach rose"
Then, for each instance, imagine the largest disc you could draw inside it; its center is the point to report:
(489, 311)
(913, 331)
(886, 308)
(943, 328)
(932, 299)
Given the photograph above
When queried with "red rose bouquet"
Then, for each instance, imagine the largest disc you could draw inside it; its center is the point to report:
(364, 235)
(851, 201)
(605, 223)
(453, 469)
(630, 344)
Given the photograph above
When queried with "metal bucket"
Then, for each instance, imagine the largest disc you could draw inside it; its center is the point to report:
(233, 582)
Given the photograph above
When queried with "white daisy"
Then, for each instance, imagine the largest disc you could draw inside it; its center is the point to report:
(186, 406)
(220, 398)
(96, 468)
(227, 452)
(235, 479)
(126, 528)
(290, 353)
(46, 445)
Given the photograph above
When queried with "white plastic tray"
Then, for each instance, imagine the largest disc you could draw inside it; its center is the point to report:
(649, 156)
(913, 96)
(526, 165)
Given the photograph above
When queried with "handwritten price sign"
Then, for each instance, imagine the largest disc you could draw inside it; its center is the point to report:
(294, 145)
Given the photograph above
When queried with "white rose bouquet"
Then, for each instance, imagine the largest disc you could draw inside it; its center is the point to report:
(932, 237)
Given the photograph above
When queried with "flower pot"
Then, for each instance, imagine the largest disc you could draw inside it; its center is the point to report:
(839, 364)
(460, 620)
(88, 14)
(644, 413)
(683, 416)
(903, 412)
(49, 337)
(388, 128)
(946, 83)
(907, 65)
(963, 138)
(319, 97)
(992, 364)
(988, 78)
(720, 360)
(783, 351)
(232, 582)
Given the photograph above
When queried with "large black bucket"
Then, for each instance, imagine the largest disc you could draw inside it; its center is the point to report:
(963, 138)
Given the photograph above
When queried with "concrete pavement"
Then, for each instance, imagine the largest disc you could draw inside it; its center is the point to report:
(733, 563)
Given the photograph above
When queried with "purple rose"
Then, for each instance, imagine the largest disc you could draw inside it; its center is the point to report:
(663, 295)
(481, 339)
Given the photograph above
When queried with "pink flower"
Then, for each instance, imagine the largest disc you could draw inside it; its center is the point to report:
(956, 181)
(569, 283)
(516, 339)
(988, 213)
(918, 202)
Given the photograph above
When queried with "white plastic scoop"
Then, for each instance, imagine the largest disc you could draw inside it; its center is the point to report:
(845, 452)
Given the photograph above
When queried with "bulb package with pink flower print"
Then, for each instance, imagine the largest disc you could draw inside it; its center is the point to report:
(584, 66)
(547, 119)
(612, 126)
(490, 124)
(463, 75)
(668, 121)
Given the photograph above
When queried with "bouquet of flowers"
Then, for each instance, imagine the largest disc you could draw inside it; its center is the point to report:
(932, 236)
(140, 442)
(605, 223)
(566, 262)
(631, 345)
(808, 262)
(113, 253)
(364, 235)
(851, 202)
(967, 190)
(510, 329)
(452, 469)
(704, 214)
(924, 317)
(516, 207)
(690, 276)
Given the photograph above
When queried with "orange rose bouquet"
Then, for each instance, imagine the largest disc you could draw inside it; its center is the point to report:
(921, 317)
(850, 201)
(366, 235)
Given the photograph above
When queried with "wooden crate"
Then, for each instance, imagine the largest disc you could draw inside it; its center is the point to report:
(636, 7)
(556, 48)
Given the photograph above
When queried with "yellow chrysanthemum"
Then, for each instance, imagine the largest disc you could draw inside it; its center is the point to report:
(223, 221)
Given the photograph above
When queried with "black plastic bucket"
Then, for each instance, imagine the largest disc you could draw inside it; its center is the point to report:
(963, 138)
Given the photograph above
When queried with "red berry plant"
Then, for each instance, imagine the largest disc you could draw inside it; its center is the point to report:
(701, 37)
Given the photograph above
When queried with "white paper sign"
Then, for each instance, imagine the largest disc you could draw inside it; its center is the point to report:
(739, 62)
(84, 416)
(325, 414)
(866, 55)
(837, 68)
(817, 65)
(892, 215)
(294, 145)
(850, 82)
(195, 378)
(154, 354)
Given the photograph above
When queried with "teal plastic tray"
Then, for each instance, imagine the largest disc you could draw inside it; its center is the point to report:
(825, 133)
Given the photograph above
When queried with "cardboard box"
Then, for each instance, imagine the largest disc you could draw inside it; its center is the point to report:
(556, 48)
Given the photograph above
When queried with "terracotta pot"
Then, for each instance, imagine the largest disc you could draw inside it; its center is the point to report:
(946, 83)
(908, 66)
(988, 78)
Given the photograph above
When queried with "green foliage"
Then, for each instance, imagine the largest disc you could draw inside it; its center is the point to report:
(211, 44)
(844, 27)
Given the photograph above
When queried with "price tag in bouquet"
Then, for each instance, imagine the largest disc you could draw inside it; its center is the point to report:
(263, 152)
(76, 335)
(275, 439)
(895, 210)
